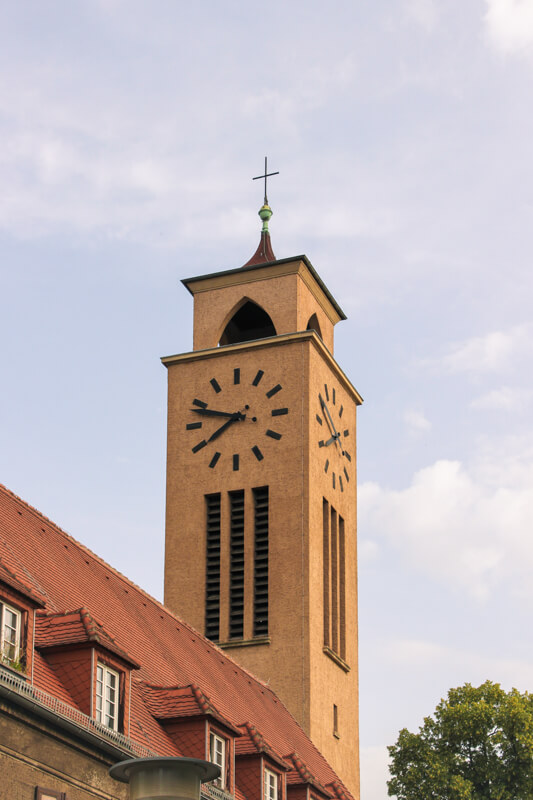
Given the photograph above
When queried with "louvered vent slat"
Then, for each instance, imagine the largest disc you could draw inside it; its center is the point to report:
(261, 561)
(212, 593)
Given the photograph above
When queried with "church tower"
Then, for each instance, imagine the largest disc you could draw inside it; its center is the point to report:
(261, 549)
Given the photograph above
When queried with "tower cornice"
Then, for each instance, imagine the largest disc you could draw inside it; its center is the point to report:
(272, 341)
(260, 272)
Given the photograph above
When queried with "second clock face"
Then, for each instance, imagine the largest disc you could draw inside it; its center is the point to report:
(334, 438)
(248, 403)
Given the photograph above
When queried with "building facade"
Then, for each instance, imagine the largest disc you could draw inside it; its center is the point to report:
(261, 531)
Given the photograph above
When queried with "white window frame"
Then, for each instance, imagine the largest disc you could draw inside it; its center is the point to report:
(16, 629)
(217, 755)
(107, 705)
(270, 785)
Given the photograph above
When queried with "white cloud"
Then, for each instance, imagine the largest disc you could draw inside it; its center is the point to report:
(416, 421)
(509, 25)
(495, 351)
(457, 525)
(424, 13)
(506, 398)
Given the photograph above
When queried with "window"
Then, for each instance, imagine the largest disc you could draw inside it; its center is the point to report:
(107, 686)
(49, 794)
(10, 628)
(270, 791)
(217, 754)
(336, 722)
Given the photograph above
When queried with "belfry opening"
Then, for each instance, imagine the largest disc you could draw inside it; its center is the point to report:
(248, 323)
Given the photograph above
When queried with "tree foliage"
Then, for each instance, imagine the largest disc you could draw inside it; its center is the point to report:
(478, 745)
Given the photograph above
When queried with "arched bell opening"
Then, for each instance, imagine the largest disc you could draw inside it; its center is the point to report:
(249, 322)
(313, 325)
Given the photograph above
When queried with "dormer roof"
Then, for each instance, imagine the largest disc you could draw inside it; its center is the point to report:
(55, 630)
(175, 702)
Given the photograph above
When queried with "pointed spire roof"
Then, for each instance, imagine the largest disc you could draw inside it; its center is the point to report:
(264, 253)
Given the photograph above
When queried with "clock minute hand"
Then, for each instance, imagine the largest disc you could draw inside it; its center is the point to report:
(234, 418)
(330, 421)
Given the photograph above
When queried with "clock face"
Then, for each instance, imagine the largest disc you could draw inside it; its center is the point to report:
(333, 438)
(248, 404)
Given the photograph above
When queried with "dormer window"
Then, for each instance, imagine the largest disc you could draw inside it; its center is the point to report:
(10, 628)
(217, 754)
(107, 696)
(270, 789)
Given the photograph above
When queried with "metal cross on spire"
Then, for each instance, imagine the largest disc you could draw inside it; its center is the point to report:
(265, 176)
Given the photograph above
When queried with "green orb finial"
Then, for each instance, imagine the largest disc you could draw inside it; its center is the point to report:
(265, 212)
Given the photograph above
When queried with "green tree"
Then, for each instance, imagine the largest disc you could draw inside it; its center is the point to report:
(478, 745)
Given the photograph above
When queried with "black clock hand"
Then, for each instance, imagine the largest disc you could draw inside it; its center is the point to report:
(210, 412)
(330, 421)
(336, 435)
(234, 418)
(330, 441)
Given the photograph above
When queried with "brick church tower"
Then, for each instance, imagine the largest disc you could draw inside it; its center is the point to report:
(261, 547)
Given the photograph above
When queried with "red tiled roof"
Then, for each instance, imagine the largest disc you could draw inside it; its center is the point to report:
(172, 702)
(169, 651)
(9, 577)
(301, 774)
(252, 742)
(75, 627)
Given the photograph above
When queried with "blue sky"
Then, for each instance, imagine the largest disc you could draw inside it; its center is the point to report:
(129, 134)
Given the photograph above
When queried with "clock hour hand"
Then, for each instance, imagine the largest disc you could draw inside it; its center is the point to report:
(210, 412)
(330, 441)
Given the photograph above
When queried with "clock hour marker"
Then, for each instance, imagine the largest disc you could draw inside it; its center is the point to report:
(273, 434)
(333, 479)
(236, 376)
(346, 433)
(340, 484)
(274, 390)
(326, 465)
(326, 390)
(236, 462)
(257, 453)
(257, 378)
(199, 446)
(319, 419)
(333, 396)
(321, 443)
(341, 409)
(199, 403)
(193, 425)
(215, 384)
(214, 460)
(279, 412)
(346, 475)
(348, 456)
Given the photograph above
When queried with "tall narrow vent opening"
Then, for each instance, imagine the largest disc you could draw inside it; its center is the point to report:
(261, 561)
(236, 566)
(212, 577)
(334, 583)
(325, 525)
(334, 580)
